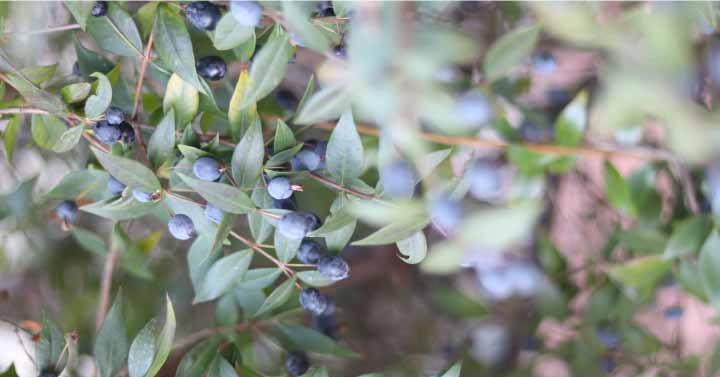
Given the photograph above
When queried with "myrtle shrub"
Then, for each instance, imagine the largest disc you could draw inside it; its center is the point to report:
(278, 144)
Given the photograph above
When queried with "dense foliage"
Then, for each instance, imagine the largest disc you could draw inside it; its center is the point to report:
(278, 144)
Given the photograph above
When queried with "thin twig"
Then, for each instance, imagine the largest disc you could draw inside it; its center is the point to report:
(105, 288)
(143, 68)
(42, 31)
(282, 266)
(342, 188)
(195, 337)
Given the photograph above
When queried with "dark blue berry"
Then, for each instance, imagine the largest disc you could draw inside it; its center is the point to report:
(674, 312)
(67, 211)
(306, 159)
(312, 301)
(212, 68)
(309, 252)
(445, 213)
(474, 110)
(47, 373)
(207, 169)
(608, 338)
(280, 188)
(286, 99)
(398, 179)
(114, 186)
(607, 364)
(127, 133)
(484, 180)
(325, 9)
(99, 9)
(296, 364)
(181, 227)
(287, 204)
(534, 132)
(320, 148)
(246, 13)
(203, 15)
(114, 115)
(544, 62)
(142, 197)
(326, 324)
(340, 51)
(76, 70)
(213, 213)
(296, 225)
(106, 133)
(333, 268)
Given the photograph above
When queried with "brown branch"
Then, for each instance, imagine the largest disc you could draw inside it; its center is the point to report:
(143, 68)
(342, 188)
(282, 266)
(105, 288)
(547, 149)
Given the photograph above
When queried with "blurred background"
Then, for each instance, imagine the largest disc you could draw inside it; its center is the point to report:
(643, 75)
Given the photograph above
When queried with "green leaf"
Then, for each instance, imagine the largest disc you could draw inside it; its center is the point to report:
(394, 232)
(429, 162)
(327, 104)
(75, 93)
(97, 103)
(240, 118)
(230, 34)
(345, 157)
(297, 19)
(196, 362)
(221, 367)
(285, 249)
(39, 73)
(89, 241)
(111, 343)
(454, 371)
(640, 275)
(50, 346)
(305, 339)
(617, 190)
(509, 51)
(90, 61)
(309, 89)
(46, 130)
(116, 32)
(709, 268)
(152, 345)
(282, 157)
(161, 147)
(336, 239)
(714, 364)
(314, 278)
(129, 172)
(284, 137)
(32, 94)
(571, 123)
(119, 209)
(69, 139)
(260, 228)
(258, 278)
(80, 183)
(9, 136)
(172, 42)
(183, 98)
(278, 297)
(500, 227)
(333, 223)
(80, 11)
(687, 237)
(247, 159)
(267, 71)
(413, 248)
(225, 197)
(223, 275)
